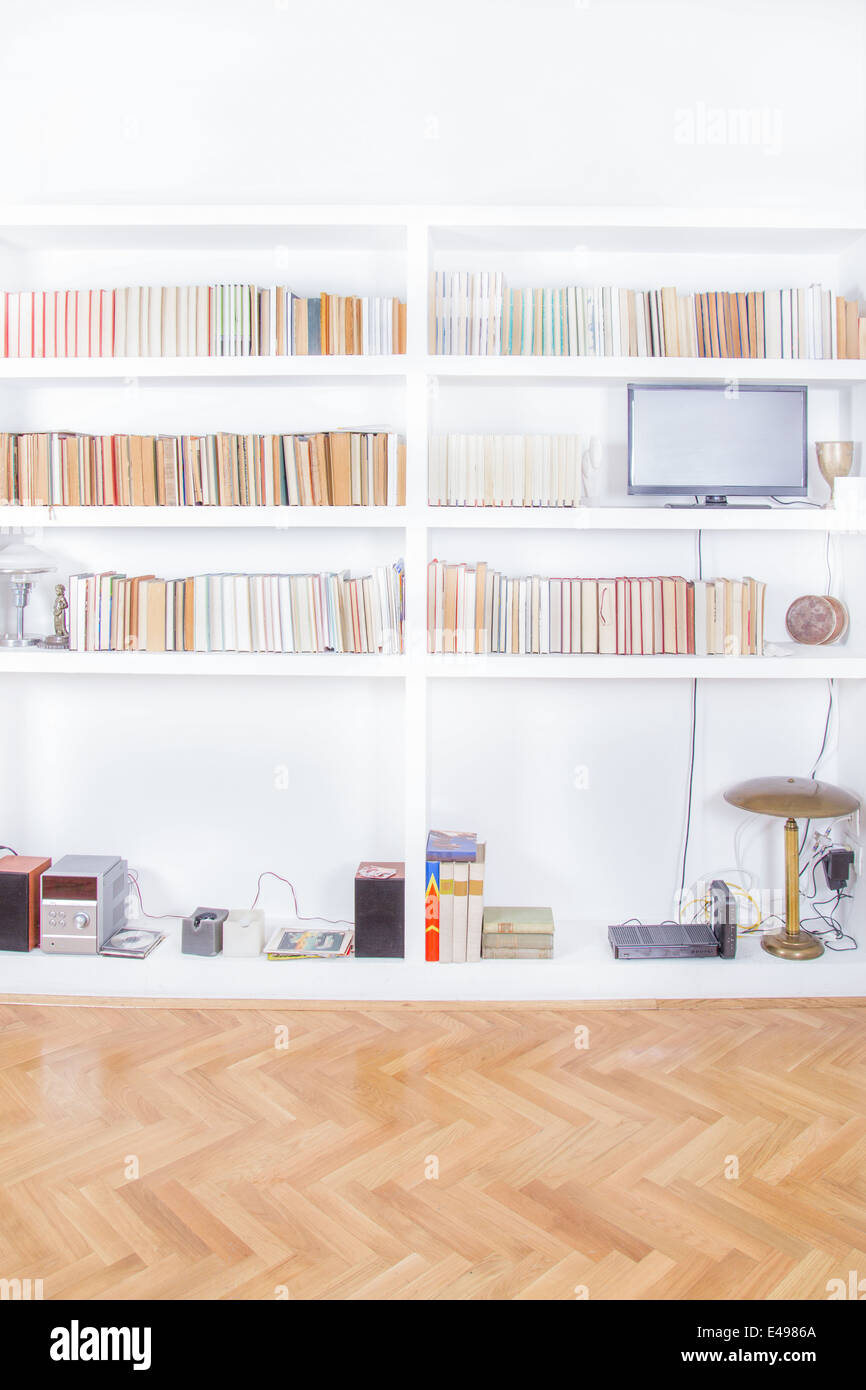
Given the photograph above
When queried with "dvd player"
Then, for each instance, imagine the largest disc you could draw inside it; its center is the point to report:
(672, 940)
(662, 942)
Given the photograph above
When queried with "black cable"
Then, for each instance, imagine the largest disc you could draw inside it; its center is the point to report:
(794, 502)
(831, 924)
(639, 922)
(9, 850)
(831, 688)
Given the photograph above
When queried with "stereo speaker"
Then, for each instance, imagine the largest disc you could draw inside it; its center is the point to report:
(19, 901)
(380, 909)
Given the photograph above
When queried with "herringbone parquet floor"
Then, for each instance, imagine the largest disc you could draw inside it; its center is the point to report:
(407, 1153)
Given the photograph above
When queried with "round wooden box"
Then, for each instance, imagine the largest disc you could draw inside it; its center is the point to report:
(816, 620)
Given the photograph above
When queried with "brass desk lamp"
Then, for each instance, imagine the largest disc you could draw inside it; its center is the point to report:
(792, 797)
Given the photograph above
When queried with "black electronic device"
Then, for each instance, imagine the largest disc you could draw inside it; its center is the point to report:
(838, 863)
(674, 940)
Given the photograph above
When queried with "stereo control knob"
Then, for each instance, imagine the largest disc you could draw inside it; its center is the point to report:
(81, 920)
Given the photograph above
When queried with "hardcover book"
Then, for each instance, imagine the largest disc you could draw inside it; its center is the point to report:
(520, 920)
(523, 940)
(458, 846)
(517, 953)
(431, 912)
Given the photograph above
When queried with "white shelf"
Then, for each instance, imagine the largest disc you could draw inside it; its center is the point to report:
(801, 371)
(204, 518)
(832, 229)
(340, 664)
(508, 667)
(582, 969)
(641, 518)
(500, 667)
(130, 369)
(585, 518)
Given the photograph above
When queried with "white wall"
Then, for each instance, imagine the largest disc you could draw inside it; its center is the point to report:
(596, 101)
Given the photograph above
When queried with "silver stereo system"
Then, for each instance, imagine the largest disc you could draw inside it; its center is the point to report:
(83, 903)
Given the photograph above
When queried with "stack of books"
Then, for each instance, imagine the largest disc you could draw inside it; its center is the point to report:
(517, 933)
(454, 900)
(339, 468)
(197, 321)
(238, 612)
(475, 313)
(477, 610)
(504, 470)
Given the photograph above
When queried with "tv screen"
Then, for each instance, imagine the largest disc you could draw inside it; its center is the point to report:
(712, 441)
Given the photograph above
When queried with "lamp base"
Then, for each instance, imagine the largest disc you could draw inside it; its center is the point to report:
(9, 640)
(803, 946)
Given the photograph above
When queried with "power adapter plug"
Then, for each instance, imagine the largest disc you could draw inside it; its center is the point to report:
(837, 867)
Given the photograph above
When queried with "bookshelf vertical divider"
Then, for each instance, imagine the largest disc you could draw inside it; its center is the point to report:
(415, 720)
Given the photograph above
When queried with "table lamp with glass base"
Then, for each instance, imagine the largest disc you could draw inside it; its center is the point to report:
(20, 563)
(792, 797)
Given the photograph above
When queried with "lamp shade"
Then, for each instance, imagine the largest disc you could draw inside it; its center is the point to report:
(792, 796)
(20, 558)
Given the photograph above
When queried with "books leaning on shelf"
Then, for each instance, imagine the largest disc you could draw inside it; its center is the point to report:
(454, 899)
(477, 610)
(238, 613)
(504, 470)
(198, 321)
(475, 313)
(517, 933)
(339, 468)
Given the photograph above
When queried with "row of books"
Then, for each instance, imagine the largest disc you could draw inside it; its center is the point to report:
(454, 896)
(338, 468)
(504, 470)
(238, 612)
(517, 933)
(198, 321)
(473, 312)
(478, 610)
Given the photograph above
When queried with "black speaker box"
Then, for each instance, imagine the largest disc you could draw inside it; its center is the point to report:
(19, 901)
(380, 909)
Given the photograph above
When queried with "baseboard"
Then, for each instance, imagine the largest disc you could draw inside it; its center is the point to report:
(428, 1005)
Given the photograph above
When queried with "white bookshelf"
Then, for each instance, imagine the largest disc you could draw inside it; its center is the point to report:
(638, 668)
(130, 369)
(804, 371)
(397, 247)
(341, 664)
(774, 520)
(500, 667)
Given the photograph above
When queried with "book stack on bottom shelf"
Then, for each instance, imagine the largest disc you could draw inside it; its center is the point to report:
(517, 933)
(454, 902)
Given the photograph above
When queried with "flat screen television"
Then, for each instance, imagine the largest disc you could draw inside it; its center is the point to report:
(715, 442)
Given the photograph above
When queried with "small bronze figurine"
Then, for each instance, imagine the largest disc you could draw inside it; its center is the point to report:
(60, 637)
